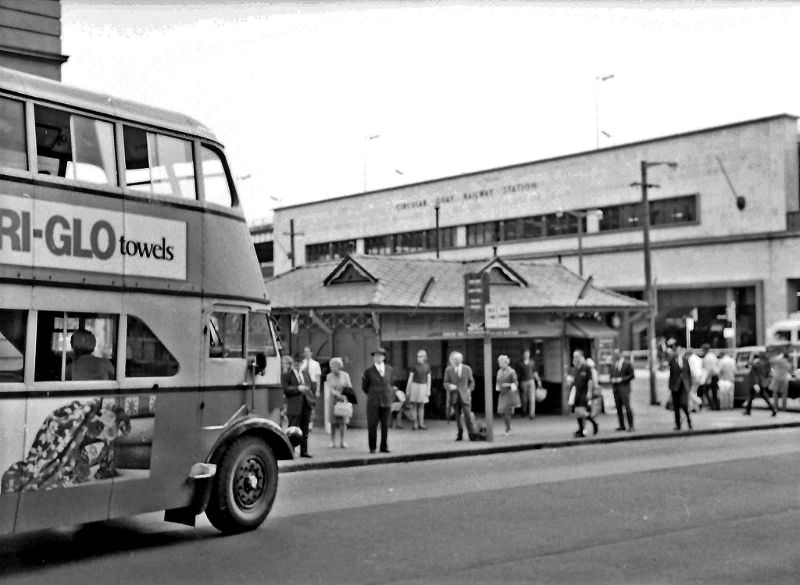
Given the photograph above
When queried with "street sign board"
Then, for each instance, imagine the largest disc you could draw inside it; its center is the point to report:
(497, 316)
(476, 296)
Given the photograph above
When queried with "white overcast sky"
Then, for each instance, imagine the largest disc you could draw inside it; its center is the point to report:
(294, 90)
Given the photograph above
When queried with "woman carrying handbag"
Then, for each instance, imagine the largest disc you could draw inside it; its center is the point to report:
(337, 382)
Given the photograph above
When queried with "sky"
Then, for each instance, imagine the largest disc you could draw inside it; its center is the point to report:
(315, 100)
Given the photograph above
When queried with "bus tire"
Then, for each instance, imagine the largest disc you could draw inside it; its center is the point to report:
(244, 486)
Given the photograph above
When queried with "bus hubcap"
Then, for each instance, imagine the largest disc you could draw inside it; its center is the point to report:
(249, 482)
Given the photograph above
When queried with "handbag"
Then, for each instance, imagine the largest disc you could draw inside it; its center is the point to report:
(540, 394)
(571, 399)
(343, 409)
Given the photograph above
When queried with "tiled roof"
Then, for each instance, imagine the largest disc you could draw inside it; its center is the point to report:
(401, 282)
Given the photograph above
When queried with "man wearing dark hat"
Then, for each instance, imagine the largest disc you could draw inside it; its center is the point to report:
(299, 399)
(377, 385)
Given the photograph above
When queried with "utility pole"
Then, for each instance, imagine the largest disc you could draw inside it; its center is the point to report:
(649, 295)
(292, 234)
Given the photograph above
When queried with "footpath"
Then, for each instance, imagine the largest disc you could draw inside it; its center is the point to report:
(544, 432)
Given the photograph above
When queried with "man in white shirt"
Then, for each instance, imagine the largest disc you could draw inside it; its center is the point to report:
(711, 374)
(313, 369)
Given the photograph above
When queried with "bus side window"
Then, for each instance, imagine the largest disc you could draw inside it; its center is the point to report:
(145, 354)
(157, 163)
(75, 346)
(226, 335)
(75, 147)
(13, 150)
(12, 344)
(215, 178)
(259, 336)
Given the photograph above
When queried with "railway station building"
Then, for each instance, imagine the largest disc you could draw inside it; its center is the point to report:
(725, 225)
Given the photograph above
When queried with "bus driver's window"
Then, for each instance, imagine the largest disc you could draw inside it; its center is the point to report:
(226, 335)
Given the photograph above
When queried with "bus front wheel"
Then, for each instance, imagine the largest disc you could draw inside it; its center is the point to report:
(244, 487)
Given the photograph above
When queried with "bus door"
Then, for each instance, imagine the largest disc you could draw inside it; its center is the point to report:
(261, 345)
(226, 388)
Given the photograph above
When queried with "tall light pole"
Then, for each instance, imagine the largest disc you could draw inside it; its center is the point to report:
(648, 271)
(367, 141)
(580, 216)
(438, 244)
(597, 81)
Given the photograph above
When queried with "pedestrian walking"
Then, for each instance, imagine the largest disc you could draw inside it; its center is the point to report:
(727, 379)
(779, 384)
(621, 376)
(582, 392)
(300, 400)
(697, 376)
(680, 382)
(337, 384)
(529, 382)
(418, 389)
(711, 376)
(377, 385)
(758, 380)
(459, 384)
(508, 386)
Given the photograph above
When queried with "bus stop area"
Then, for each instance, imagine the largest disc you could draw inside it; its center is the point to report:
(544, 432)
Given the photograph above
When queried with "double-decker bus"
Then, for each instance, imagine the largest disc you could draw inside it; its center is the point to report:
(138, 363)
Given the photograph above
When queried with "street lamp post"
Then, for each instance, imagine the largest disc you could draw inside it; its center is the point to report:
(436, 209)
(648, 272)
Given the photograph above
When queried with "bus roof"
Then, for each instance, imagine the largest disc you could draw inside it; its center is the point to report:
(36, 87)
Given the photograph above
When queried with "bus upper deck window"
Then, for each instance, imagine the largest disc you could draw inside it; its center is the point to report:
(12, 344)
(13, 152)
(146, 355)
(75, 147)
(215, 178)
(157, 163)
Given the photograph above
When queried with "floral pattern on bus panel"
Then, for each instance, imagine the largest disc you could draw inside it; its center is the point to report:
(72, 440)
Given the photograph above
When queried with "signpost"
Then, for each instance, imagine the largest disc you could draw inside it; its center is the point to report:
(476, 299)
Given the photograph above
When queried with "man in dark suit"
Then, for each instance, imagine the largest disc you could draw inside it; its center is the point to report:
(680, 382)
(377, 385)
(299, 400)
(459, 383)
(621, 376)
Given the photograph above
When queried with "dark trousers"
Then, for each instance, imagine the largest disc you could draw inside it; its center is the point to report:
(622, 398)
(680, 403)
(761, 392)
(459, 408)
(378, 415)
(302, 421)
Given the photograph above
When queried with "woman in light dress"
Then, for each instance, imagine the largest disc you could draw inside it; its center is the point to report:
(336, 381)
(418, 389)
(508, 387)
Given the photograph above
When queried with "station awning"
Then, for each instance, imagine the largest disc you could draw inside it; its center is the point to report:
(589, 329)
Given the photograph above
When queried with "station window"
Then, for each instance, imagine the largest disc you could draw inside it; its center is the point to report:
(487, 233)
(13, 150)
(156, 163)
(75, 346)
(259, 335)
(215, 178)
(146, 355)
(12, 344)
(75, 147)
(226, 335)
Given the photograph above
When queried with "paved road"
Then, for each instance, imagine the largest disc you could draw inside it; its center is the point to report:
(712, 509)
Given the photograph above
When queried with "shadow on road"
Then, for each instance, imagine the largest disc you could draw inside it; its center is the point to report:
(50, 548)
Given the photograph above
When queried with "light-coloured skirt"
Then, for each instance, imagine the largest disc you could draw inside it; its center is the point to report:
(418, 393)
(508, 401)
